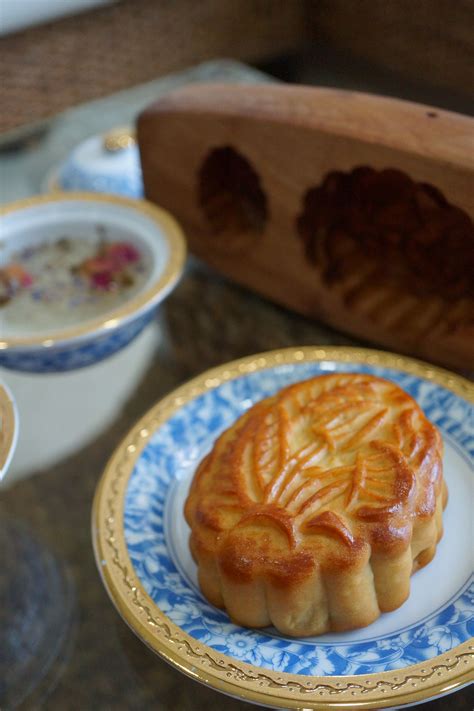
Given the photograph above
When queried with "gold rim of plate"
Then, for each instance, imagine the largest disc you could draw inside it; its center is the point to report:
(409, 685)
(172, 234)
(8, 427)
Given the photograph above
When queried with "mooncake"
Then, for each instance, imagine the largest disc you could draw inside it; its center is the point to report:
(314, 508)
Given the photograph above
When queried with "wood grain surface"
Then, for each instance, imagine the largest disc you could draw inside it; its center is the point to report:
(267, 147)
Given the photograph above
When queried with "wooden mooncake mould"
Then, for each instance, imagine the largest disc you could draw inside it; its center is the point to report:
(353, 209)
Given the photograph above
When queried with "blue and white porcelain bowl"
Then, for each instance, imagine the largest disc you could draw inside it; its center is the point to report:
(108, 163)
(151, 230)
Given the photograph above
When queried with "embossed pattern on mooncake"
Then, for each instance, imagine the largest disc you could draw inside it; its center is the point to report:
(315, 507)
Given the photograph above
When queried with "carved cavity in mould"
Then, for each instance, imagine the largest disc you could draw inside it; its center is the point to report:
(231, 195)
(396, 249)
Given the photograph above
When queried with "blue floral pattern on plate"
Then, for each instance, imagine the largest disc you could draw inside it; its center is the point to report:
(179, 444)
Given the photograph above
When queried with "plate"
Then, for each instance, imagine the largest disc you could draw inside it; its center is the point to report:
(420, 651)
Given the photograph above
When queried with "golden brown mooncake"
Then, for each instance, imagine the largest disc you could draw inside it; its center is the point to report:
(313, 510)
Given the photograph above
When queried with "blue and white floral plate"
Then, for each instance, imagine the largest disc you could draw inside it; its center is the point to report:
(420, 651)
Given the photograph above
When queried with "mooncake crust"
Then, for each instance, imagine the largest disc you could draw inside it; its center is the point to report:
(314, 508)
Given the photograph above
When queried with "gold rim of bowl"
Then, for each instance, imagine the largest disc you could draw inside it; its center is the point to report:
(112, 320)
(8, 428)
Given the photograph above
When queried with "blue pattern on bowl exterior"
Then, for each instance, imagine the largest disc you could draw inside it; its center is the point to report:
(171, 457)
(88, 342)
(75, 354)
(93, 167)
(124, 180)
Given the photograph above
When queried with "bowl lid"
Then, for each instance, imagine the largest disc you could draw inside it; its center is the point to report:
(103, 163)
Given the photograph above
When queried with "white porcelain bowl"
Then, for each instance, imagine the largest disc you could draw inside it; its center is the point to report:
(47, 218)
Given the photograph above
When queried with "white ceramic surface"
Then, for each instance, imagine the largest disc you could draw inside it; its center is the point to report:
(58, 415)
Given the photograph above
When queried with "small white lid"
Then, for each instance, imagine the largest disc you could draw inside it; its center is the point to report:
(107, 163)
